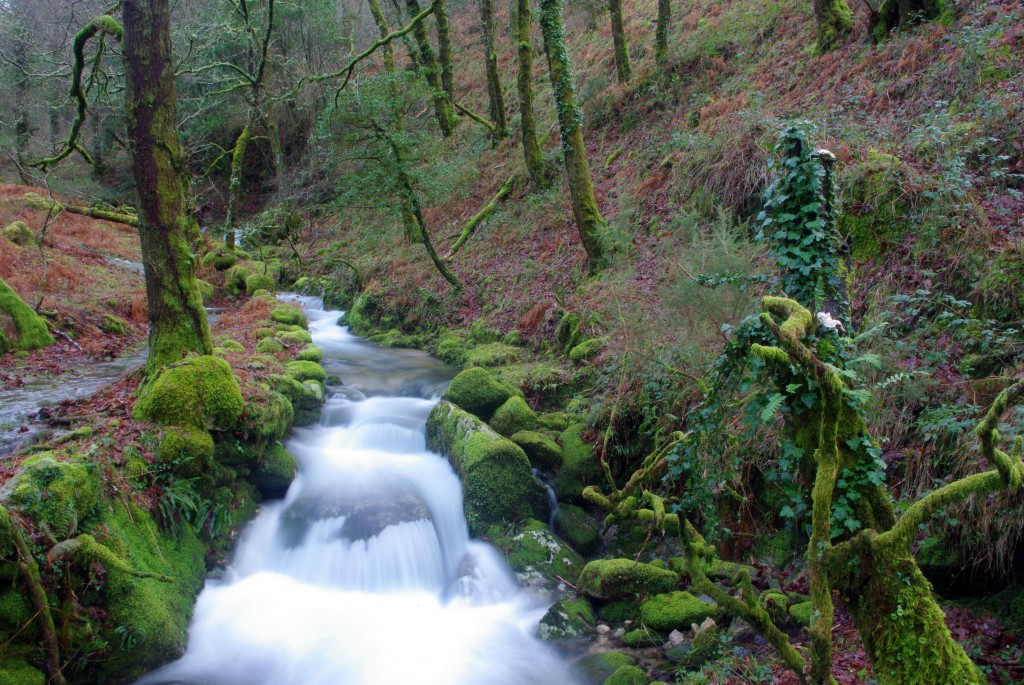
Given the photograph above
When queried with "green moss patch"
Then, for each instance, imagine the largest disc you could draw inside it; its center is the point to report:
(20, 234)
(310, 353)
(539, 558)
(627, 675)
(597, 668)
(187, 449)
(275, 471)
(579, 465)
(493, 354)
(675, 610)
(255, 282)
(61, 494)
(578, 528)
(617, 578)
(513, 416)
(306, 371)
(20, 327)
(198, 391)
(475, 390)
(542, 451)
(288, 315)
(295, 338)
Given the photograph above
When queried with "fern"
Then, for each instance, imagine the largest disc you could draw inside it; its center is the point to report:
(775, 401)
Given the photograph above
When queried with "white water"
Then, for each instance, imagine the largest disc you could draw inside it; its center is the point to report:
(365, 573)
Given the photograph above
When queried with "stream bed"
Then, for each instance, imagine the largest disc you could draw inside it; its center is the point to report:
(365, 573)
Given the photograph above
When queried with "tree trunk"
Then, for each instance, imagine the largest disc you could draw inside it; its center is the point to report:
(834, 20)
(177, 320)
(661, 32)
(589, 221)
(444, 48)
(443, 110)
(235, 184)
(409, 46)
(622, 67)
(531, 148)
(897, 14)
(495, 98)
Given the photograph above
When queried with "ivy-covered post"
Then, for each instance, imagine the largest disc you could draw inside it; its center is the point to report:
(622, 66)
(528, 124)
(495, 98)
(834, 20)
(589, 221)
(444, 111)
(177, 320)
(661, 31)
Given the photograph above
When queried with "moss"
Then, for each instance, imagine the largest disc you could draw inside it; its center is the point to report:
(776, 604)
(234, 282)
(20, 327)
(513, 416)
(542, 451)
(306, 371)
(586, 350)
(266, 417)
(482, 334)
(452, 348)
(675, 610)
(580, 467)
(578, 528)
(220, 260)
(998, 291)
(539, 558)
(567, 619)
(114, 325)
(571, 330)
(310, 353)
(295, 338)
(255, 282)
(643, 637)
(597, 668)
(627, 675)
(205, 290)
(20, 234)
(539, 377)
(233, 346)
(19, 672)
(801, 612)
(620, 610)
(834, 22)
(275, 471)
(263, 332)
(616, 578)
(269, 346)
(514, 338)
(493, 354)
(188, 450)
(288, 328)
(396, 338)
(198, 391)
(495, 472)
(17, 616)
(704, 647)
(263, 292)
(556, 421)
(34, 200)
(308, 395)
(875, 205)
(288, 315)
(300, 285)
(60, 494)
(478, 392)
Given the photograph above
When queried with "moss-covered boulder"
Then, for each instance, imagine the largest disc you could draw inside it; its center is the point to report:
(37, 202)
(114, 325)
(578, 528)
(288, 315)
(198, 391)
(617, 578)
(567, 619)
(295, 338)
(675, 611)
(555, 421)
(266, 417)
(542, 451)
(232, 345)
(306, 371)
(703, 648)
(234, 281)
(475, 390)
(627, 675)
(61, 494)
(496, 478)
(579, 468)
(221, 260)
(597, 668)
(255, 282)
(19, 672)
(188, 450)
(20, 234)
(493, 354)
(538, 557)
(263, 332)
(801, 613)
(20, 327)
(586, 350)
(875, 204)
(275, 471)
(451, 347)
(643, 637)
(310, 353)
(513, 416)
(269, 346)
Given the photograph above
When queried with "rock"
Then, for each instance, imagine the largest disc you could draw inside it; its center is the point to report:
(578, 528)
(233, 346)
(627, 675)
(801, 613)
(20, 234)
(567, 619)
(496, 478)
(586, 350)
(289, 315)
(579, 465)
(198, 391)
(620, 610)
(675, 610)
(220, 260)
(493, 354)
(55, 492)
(615, 578)
(188, 450)
(452, 348)
(256, 282)
(114, 325)
(366, 514)
(275, 472)
(538, 557)
(39, 203)
(295, 338)
(543, 452)
(269, 346)
(597, 668)
(310, 353)
(513, 416)
(234, 281)
(704, 647)
(476, 391)
(20, 327)
(306, 371)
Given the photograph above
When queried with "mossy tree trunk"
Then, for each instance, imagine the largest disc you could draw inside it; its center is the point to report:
(622, 67)
(444, 112)
(661, 32)
(235, 183)
(177, 320)
(528, 124)
(410, 47)
(495, 97)
(834, 20)
(444, 49)
(589, 221)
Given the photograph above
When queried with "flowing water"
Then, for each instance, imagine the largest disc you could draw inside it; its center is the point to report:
(365, 573)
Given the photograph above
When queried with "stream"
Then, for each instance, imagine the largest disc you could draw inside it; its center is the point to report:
(365, 573)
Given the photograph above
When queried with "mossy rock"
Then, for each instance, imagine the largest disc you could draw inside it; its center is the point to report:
(234, 281)
(205, 290)
(306, 371)
(263, 332)
(801, 613)
(580, 467)
(597, 668)
(542, 451)
(269, 346)
(567, 619)
(619, 611)
(20, 234)
(275, 472)
(263, 292)
(643, 637)
(586, 350)
(556, 421)
(60, 494)
(627, 675)
(513, 416)
(514, 338)
(543, 377)
(493, 354)
(288, 328)
(476, 391)
(220, 260)
(292, 316)
(395, 338)
(34, 200)
(310, 353)
(20, 327)
(617, 578)
(539, 558)
(776, 603)
(198, 391)
(17, 616)
(675, 611)
(572, 330)
(302, 395)
(705, 647)
(233, 346)
(295, 338)
(186, 449)
(451, 347)
(578, 528)
(256, 282)
(19, 672)
(114, 325)
(496, 478)
(481, 334)
(301, 284)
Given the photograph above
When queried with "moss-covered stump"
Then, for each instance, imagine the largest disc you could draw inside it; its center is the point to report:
(675, 611)
(275, 472)
(496, 478)
(578, 528)
(597, 668)
(618, 578)
(627, 675)
(20, 234)
(20, 327)
(476, 391)
(543, 452)
(579, 465)
(567, 619)
(513, 416)
(198, 391)
(538, 558)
